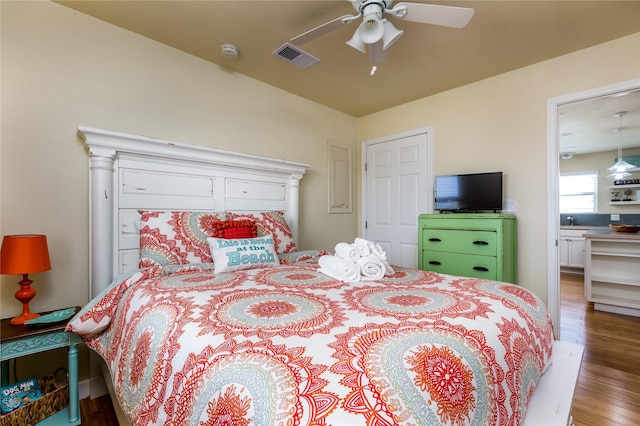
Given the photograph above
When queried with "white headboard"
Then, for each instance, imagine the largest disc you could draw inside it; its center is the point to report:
(129, 172)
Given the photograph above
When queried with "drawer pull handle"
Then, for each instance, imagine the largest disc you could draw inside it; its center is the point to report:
(480, 268)
(481, 243)
(435, 240)
(434, 262)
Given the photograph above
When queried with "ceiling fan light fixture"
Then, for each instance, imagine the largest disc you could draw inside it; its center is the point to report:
(391, 34)
(371, 29)
(356, 43)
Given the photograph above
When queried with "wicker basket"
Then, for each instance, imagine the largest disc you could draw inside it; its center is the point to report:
(53, 399)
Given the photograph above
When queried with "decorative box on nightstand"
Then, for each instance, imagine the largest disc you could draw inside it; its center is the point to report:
(21, 340)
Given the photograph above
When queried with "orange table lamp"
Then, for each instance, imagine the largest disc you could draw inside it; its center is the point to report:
(24, 254)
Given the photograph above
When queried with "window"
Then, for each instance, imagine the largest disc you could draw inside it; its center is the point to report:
(578, 192)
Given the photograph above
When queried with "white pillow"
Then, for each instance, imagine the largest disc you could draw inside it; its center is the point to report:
(243, 253)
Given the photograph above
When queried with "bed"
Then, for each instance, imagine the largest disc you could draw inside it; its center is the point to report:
(205, 312)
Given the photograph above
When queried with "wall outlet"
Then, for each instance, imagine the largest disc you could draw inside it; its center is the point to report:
(509, 206)
(615, 217)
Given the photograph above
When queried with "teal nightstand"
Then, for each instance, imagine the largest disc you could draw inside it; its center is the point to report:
(21, 340)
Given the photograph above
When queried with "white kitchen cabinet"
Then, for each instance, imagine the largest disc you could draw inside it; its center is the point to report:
(572, 247)
(612, 272)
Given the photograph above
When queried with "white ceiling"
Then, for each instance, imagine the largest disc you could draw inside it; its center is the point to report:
(592, 125)
(502, 36)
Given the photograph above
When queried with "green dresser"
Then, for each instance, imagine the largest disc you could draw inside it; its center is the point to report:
(478, 245)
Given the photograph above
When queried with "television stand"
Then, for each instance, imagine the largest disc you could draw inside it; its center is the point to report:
(477, 245)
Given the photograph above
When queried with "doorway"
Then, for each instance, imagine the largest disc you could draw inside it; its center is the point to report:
(554, 106)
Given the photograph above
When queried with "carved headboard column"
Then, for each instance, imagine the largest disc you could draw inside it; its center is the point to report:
(101, 207)
(292, 215)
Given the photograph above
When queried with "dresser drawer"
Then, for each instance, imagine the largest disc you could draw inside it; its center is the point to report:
(482, 243)
(465, 265)
(153, 183)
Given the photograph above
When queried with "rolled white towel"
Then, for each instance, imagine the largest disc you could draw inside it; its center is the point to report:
(388, 269)
(371, 267)
(362, 241)
(363, 246)
(338, 268)
(347, 251)
(376, 250)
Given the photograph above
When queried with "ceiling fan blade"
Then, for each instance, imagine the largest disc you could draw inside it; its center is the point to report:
(320, 30)
(448, 16)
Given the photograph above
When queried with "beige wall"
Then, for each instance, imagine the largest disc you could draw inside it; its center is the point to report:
(62, 69)
(500, 124)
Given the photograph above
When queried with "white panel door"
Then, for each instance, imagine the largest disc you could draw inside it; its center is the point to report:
(397, 189)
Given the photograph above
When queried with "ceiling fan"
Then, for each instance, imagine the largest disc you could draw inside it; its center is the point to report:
(376, 33)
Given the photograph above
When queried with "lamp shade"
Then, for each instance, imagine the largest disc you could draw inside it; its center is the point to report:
(24, 254)
(391, 34)
(371, 30)
(356, 43)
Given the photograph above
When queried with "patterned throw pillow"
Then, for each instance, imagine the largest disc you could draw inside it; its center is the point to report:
(270, 223)
(243, 253)
(176, 237)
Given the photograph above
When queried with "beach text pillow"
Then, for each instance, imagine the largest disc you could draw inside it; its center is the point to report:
(243, 253)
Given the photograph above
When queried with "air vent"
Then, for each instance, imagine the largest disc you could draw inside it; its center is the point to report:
(291, 53)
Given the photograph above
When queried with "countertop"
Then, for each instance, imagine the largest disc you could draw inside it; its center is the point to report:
(611, 234)
(586, 228)
(603, 232)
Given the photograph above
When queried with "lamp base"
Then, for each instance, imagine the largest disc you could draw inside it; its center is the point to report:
(22, 318)
(24, 295)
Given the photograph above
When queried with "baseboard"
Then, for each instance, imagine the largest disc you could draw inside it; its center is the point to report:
(97, 387)
(572, 271)
(84, 389)
(616, 309)
(92, 388)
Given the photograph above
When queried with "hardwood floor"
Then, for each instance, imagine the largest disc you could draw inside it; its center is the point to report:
(98, 412)
(608, 390)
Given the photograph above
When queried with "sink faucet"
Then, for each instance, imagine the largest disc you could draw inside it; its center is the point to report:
(571, 220)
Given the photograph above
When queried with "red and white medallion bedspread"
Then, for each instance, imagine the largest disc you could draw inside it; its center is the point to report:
(290, 346)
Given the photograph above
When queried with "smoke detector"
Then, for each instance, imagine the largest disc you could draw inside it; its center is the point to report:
(229, 51)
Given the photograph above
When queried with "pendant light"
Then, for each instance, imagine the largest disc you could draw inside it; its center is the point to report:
(620, 169)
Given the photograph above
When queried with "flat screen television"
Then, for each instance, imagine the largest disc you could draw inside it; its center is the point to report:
(474, 192)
